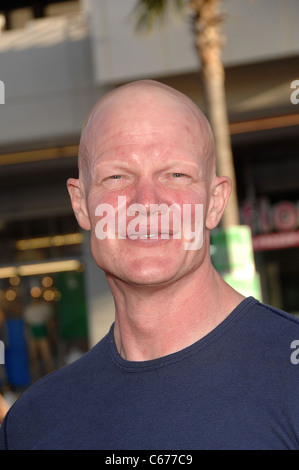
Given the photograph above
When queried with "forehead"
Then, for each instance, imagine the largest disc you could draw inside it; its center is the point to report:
(146, 117)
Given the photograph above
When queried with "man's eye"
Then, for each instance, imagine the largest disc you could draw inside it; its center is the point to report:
(113, 181)
(178, 175)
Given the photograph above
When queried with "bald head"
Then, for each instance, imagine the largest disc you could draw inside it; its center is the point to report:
(139, 102)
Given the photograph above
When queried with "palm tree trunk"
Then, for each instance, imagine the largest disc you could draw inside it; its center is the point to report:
(207, 21)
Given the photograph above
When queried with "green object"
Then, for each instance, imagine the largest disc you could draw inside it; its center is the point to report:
(71, 308)
(232, 256)
(39, 331)
(232, 248)
(247, 287)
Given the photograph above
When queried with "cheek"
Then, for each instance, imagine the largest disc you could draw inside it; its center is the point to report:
(194, 206)
(100, 204)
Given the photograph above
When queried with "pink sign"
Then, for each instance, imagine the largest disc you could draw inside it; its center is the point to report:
(275, 241)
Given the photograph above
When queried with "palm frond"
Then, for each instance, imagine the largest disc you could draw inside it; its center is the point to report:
(148, 11)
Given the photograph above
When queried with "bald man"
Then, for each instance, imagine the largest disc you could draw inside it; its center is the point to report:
(189, 363)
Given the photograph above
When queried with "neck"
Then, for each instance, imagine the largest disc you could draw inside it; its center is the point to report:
(152, 322)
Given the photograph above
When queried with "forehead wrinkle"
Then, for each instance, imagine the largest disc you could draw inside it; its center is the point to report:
(126, 98)
(148, 94)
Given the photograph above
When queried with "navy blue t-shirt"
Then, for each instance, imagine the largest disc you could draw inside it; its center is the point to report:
(236, 388)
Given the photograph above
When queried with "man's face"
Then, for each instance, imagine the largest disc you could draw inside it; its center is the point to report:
(147, 152)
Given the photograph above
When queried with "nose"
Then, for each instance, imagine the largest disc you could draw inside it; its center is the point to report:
(147, 192)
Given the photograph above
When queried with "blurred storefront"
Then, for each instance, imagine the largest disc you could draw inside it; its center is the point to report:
(42, 289)
(48, 281)
(267, 165)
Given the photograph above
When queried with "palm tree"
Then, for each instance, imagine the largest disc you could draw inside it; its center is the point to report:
(207, 28)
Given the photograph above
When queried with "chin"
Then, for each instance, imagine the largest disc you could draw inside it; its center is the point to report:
(149, 280)
(144, 275)
(139, 271)
(139, 268)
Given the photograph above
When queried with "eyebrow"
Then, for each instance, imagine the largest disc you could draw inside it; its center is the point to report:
(126, 164)
(111, 163)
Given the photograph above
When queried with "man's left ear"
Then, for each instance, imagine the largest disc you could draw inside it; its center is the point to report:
(218, 200)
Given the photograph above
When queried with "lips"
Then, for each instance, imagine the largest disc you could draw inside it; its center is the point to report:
(145, 232)
(148, 235)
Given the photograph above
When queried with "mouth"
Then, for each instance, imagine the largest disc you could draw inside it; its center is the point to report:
(149, 237)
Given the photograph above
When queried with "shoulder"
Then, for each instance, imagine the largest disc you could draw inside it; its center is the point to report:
(265, 322)
(275, 316)
(71, 377)
(53, 399)
(269, 324)
(272, 335)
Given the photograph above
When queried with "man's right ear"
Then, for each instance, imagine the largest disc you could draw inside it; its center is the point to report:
(78, 203)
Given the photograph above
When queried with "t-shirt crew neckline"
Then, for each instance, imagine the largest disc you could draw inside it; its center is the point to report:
(144, 366)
